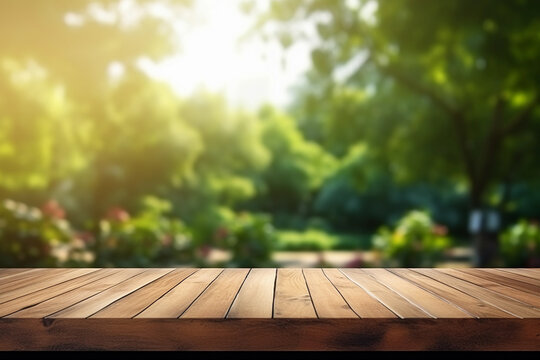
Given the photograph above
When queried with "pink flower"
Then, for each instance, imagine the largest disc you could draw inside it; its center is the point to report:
(439, 230)
(53, 210)
(204, 251)
(86, 236)
(118, 214)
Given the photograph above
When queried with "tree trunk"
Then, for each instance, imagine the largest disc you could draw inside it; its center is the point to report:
(484, 236)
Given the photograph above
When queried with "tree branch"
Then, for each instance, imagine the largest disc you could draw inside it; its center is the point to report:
(457, 117)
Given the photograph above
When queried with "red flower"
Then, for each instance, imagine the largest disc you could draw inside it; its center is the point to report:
(118, 214)
(86, 236)
(204, 251)
(439, 230)
(53, 210)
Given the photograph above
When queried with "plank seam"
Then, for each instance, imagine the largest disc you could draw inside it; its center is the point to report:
(434, 293)
(526, 276)
(236, 295)
(484, 275)
(47, 299)
(274, 293)
(370, 294)
(310, 297)
(202, 292)
(96, 294)
(476, 297)
(140, 287)
(340, 294)
(494, 291)
(165, 293)
(32, 292)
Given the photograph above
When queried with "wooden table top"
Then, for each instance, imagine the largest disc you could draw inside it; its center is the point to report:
(215, 308)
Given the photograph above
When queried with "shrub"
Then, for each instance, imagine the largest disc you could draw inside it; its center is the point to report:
(309, 240)
(250, 237)
(416, 241)
(34, 237)
(149, 238)
(520, 245)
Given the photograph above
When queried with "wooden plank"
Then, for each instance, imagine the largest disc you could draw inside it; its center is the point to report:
(43, 282)
(502, 280)
(256, 296)
(433, 305)
(134, 303)
(217, 299)
(35, 298)
(92, 305)
(65, 300)
(292, 299)
(358, 299)
(327, 301)
(522, 296)
(511, 279)
(531, 273)
(502, 302)
(269, 334)
(176, 301)
(7, 273)
(471, 305)
(395, 302)
(27, 278)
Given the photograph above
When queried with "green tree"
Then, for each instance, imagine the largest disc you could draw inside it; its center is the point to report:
(298, 167)
(69, 129)
(451, 87)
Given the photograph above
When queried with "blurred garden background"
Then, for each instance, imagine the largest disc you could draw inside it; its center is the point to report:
(269, 133)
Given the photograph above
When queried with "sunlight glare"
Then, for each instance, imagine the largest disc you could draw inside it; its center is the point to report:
(212, 58)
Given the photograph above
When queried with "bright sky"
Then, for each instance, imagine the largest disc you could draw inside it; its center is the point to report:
(249, 73)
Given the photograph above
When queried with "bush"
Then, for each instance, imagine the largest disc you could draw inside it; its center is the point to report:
(250, 237)
(149, 238)
(416, 241)
(32, 237)
(309, 240)
(520, 245)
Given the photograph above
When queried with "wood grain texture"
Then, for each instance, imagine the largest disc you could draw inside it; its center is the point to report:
(269, 334)
(389, 298)
(72, 297)
(217, 299)
(503, 280)
(26, 279)
(269, 309)
(8, 273)
(469, 304)
(92, 305)
(328, 302)
(35, 298)
(514, 276)
(531, 273)
(292, 299)
(358, 299)
(43, 282)
(256, 297)
(502, 302)
(176, 301)
(134, 303)
(525, 297)
(432, 304)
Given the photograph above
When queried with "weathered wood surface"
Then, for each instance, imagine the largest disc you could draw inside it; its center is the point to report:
(269, 309)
